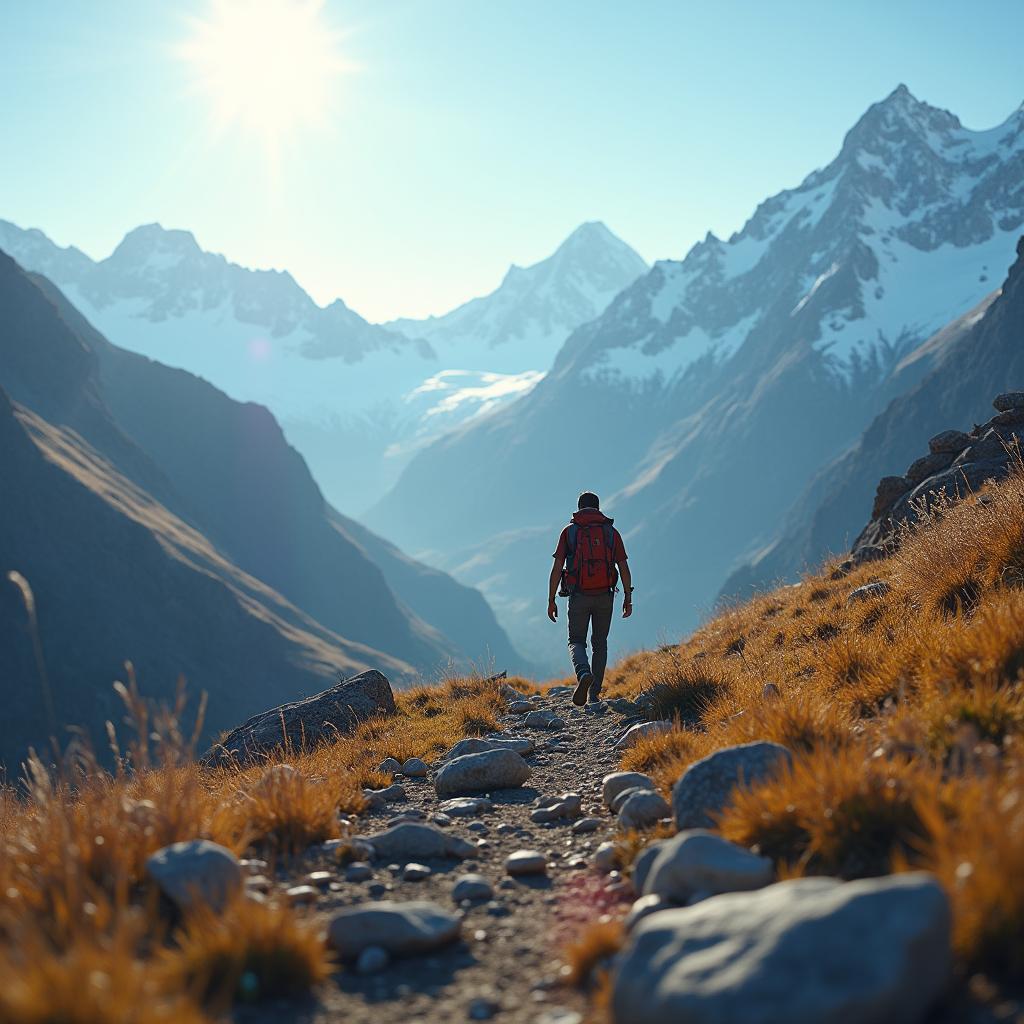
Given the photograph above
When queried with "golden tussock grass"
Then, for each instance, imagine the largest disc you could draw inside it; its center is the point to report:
(588, 956)
(81, 933)
(904, 712)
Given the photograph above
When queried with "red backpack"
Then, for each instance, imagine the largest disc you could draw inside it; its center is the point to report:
(589, 559)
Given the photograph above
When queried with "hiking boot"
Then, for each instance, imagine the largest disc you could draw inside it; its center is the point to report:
(579, 695)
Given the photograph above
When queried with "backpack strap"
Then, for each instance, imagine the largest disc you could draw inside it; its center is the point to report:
(609, 541)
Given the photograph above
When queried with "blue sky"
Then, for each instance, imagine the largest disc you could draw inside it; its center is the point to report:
(469, 134)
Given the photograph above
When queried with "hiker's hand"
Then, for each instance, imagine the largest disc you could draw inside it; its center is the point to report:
(552, 610)
(627, 609)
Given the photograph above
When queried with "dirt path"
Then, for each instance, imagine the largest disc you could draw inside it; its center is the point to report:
(506, 966)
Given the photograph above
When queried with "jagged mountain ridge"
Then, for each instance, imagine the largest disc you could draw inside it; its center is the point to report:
(357, 399)
(982, 356)
(788, 335)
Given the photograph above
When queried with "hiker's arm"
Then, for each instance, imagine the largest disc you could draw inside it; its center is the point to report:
(627, 586)
(556, 575)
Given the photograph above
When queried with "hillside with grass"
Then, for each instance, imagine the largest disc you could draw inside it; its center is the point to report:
(893, 690)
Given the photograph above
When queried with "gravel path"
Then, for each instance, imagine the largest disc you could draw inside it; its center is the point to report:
(506, 965)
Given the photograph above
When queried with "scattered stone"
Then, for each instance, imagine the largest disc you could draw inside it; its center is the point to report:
(415, 872)
(390, 766)
(414, 768)
(544, 720)
(595, 707)
(389, 795)
(471, 887)
(477, 826)
(622, 797)
(307, 723)
(643, 809)
(641, 731)
(466, 807)
(526, 862)
(810, 949)
(479, 744)
(320, 878)
(562, 808)
(585, 825)
(196, 873)
(440, 818)
(616, 783)
(409, 841)
(510, 694)
(520, 707)
(606, 857)
(644, 907)
(358, 871)
(302, 894)
(258, 882)
(623, 706)
(561, 691)
(868, 592)
(705, 788)
(481, 773)
(505, 829)
(397, 928)
(372, 960)
(697, 861)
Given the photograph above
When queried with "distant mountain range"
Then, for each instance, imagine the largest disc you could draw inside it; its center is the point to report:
(357, 399)
(160, 521)
(712, 389)
(981, 353)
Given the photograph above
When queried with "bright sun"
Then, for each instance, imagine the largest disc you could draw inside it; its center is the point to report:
(267, 66)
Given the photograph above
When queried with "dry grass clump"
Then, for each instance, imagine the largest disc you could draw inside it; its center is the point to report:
(249, 953)
(834, 813)
(904, 712)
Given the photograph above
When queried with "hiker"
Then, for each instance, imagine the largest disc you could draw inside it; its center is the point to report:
(589, 560)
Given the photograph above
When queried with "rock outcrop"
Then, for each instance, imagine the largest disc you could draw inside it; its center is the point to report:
(957, 464)
(306, 723)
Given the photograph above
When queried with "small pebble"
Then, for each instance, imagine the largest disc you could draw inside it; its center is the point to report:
(414, 768)
(358, 871)
(415, 872)
(302, 894)
(526, 862)
(586, 825)
(321, 878)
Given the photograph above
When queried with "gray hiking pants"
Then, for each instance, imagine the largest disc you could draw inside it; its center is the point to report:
(593, 612)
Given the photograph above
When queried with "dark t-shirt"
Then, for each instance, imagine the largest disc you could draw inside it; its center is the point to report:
(618, 551)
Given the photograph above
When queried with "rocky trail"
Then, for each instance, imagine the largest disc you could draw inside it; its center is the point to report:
(505, 962)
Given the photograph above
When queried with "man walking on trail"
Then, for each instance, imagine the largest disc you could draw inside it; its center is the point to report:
(589, 560)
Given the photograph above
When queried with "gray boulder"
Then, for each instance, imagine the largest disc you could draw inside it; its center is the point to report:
(567, 806)
(414, 768)
(544, 720)
(706, 787)
(806, 951)
(397, 928)
(642, 809)
(471, 887)
(643, 862)
(307, 723)
(196, 873)
(481, 773)
(618, 782)
(478, 744)
(411, 841)
(696, 862)
(644, 907)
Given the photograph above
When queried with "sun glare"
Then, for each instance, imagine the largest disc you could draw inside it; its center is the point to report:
(266, 66)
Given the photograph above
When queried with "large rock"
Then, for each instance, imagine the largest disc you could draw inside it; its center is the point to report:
(807, 951)
(412, 841)
(398, 928)
(701, 863)
(197, 873)
(308, 722)
(705, 788)
(478, 744)
(481, 773)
